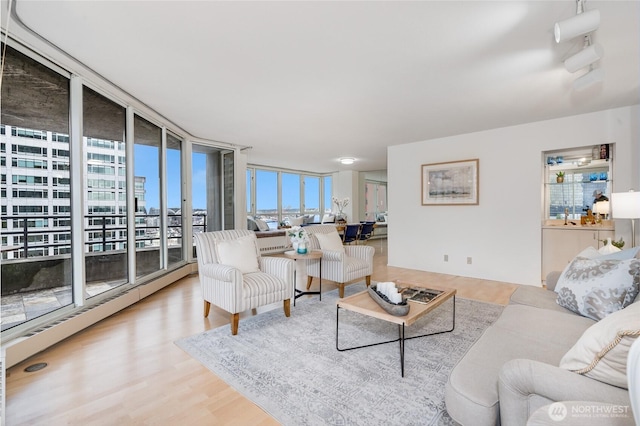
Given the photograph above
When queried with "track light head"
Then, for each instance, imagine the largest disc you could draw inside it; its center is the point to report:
(578, 25)
(584, 58)
(593, 76)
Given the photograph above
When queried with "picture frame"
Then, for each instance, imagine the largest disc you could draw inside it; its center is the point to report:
(450, 183)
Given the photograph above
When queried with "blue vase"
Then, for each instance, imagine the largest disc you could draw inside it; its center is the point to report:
(302, 248)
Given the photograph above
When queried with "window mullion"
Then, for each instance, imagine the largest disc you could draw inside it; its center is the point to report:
(77, 159)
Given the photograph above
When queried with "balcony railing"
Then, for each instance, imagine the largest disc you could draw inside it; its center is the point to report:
(112, 231)
(36, 269)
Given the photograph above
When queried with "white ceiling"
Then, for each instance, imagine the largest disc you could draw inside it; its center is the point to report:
(304, 83)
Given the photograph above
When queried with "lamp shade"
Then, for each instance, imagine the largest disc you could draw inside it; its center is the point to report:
(626, 205)
(577, 25)
(601, 207)
(585, 57)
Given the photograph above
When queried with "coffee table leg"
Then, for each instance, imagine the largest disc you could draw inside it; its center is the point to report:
(401, 340)
(358, 347)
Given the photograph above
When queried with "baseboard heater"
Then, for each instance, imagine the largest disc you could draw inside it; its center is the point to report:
(23, 347)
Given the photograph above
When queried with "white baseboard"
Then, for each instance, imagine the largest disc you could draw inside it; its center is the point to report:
(21, 348)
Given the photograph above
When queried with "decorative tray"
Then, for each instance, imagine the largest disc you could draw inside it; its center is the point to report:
(396, 309)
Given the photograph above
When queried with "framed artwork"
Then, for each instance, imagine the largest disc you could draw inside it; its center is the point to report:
(451, 183)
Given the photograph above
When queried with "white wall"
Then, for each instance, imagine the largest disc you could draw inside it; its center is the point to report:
(345, 185)
(502, 234)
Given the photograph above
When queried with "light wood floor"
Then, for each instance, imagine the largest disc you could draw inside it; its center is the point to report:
(126, 369)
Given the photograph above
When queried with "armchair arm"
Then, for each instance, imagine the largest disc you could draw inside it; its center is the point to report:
(332, 255)
(219, 272)
(281, 267)
(360, 252)
(525, 385)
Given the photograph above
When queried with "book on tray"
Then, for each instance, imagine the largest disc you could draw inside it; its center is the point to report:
(420, 295)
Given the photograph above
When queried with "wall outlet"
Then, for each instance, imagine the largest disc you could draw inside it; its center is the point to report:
(469, 261)
(446, 257)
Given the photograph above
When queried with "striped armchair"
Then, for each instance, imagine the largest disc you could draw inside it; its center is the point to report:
(271, 279)
(356, 261)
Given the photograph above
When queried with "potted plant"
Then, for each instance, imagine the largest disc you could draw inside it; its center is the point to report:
(560, 177)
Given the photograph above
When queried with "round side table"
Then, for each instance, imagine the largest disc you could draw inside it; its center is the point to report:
(309, 255)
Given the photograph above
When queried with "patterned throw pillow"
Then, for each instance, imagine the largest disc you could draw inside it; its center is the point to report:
(596, 287)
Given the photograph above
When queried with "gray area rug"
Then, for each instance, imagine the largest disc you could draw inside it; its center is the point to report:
(290, 366)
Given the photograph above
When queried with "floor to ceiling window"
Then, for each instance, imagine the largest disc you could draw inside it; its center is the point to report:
(56, 193)
(36, 197)
(105, 190)
(174, 200)
(148, 139)
(212, 188)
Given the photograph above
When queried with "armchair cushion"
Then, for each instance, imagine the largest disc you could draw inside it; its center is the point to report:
(239, 253)
(601, 353)
(330, 241)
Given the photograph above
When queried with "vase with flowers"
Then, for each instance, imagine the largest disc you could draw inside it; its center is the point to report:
(341, 203)
(299, 239)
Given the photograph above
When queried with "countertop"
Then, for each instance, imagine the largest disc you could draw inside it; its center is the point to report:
(606, 225)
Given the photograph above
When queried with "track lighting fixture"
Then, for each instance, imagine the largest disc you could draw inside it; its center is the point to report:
(583, 24)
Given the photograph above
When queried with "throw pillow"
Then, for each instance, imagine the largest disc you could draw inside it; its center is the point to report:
(593, 253)
(251, 224)
(624, 254)
(328, 218)
(240, 253)
(262, 225)
(296, 221)
(596, 287)
(601, 353)
(330, 241)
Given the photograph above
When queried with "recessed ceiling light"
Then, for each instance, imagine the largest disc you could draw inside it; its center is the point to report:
(347, 160)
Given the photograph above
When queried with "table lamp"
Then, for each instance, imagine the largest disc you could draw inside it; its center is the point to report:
(626, 205)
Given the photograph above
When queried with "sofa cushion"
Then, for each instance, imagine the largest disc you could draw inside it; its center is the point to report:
(538, 297)
(601, 353)
(471, 392)
(596, 287)
(239, 253)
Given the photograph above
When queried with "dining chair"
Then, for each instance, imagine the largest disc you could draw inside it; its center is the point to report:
(351, 233)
